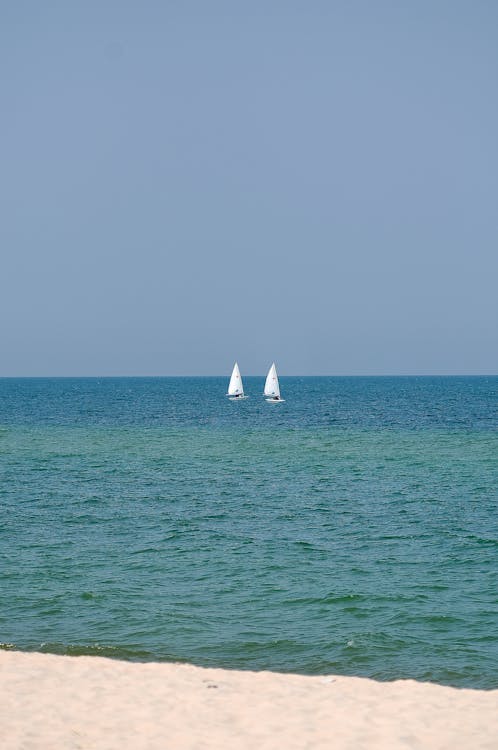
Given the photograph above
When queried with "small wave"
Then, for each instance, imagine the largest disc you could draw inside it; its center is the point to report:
(144, 551)
(327, 599)
(91, 596)
(306, 546)
(94, 649)
(483, 541)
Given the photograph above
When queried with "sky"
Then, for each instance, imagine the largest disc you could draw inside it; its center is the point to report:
(186, 184)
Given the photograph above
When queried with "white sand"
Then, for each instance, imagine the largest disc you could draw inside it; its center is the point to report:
(52, 702)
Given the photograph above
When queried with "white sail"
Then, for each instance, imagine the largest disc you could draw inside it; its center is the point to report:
(272, 388)
(235, 387)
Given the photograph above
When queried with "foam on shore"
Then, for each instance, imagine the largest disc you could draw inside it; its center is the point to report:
(57, 702)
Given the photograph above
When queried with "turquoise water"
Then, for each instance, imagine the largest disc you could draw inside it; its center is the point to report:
(352, 529)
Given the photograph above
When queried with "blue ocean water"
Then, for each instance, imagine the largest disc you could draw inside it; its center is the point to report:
(352, 529)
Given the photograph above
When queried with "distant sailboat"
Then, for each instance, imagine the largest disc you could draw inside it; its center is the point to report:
(235, 387)
(272, 388)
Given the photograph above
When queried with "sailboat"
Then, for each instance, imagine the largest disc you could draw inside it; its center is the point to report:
(272, 388)
(235, 387)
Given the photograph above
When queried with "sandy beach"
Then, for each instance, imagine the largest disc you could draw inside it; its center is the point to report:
(54, 702)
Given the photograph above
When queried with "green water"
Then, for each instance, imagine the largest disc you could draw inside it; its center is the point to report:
(352, 529)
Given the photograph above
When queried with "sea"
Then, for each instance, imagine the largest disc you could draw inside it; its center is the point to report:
(351, 530)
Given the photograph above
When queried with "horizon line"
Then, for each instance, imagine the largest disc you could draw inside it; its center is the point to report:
(262, 375)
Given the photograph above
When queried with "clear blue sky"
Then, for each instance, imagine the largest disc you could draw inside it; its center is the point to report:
(183, 184)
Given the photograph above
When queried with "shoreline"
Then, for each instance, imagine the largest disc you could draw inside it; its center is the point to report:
(59, 702)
